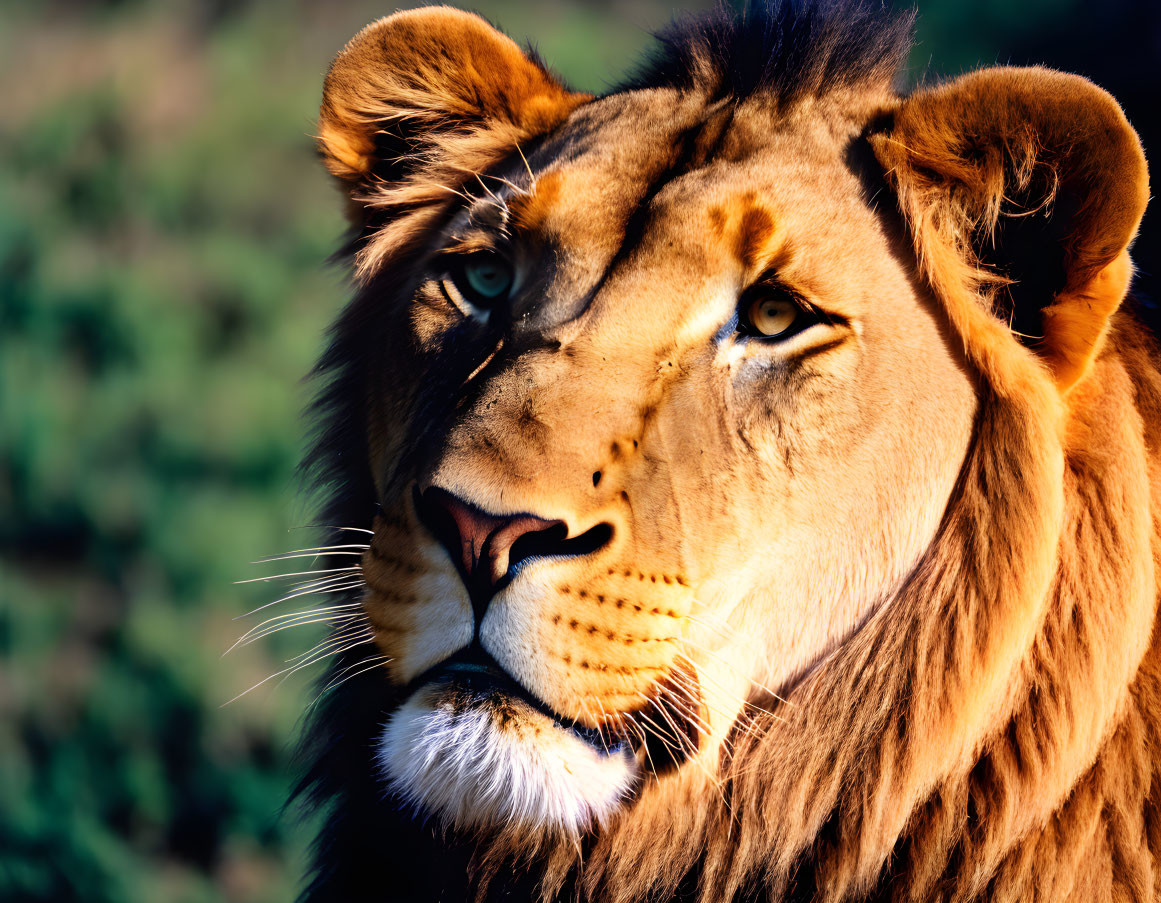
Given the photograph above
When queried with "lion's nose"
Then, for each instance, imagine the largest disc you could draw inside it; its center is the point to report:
(489, 548)
(482, 543)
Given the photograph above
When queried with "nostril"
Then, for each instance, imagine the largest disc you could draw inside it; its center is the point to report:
(536, 544)
(555, 542)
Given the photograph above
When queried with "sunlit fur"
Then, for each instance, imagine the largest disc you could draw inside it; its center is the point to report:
(875, 620)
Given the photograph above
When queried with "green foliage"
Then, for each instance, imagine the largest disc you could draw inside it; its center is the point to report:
(162, 238)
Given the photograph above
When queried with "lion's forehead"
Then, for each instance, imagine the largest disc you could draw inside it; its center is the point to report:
(660, 182)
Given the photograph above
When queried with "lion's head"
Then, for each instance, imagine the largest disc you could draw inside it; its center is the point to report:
(718, 440)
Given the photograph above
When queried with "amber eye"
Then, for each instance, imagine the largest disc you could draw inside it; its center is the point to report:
(771, 316)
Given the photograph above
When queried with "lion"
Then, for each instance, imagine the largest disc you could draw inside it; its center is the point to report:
(760, 473)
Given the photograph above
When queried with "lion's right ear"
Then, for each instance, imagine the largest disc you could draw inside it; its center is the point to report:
(434, 91)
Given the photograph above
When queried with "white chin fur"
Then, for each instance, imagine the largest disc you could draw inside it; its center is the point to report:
(473, 769)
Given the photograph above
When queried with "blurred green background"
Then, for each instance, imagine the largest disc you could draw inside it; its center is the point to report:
(163, 231)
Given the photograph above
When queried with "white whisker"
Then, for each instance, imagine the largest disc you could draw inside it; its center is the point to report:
(302, 584)
(313, 553)
(299, 574)
(323, 587)
(332, 616)
(290, 615)
(730, 635)
(336, 637)
(531, 176)
(293, 619)
(359, 630)
(495, 197)
(370, 663)
(523, 192)
(286, 671)
(332, 527)
(319, 656)
(339, 675)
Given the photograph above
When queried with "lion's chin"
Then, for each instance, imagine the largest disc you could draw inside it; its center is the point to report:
(480, 761)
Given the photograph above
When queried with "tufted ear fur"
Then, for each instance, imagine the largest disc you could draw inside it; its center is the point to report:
(423, 100)
(1025, 187)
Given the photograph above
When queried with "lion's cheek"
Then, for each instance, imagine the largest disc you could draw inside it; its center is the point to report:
(482, 762)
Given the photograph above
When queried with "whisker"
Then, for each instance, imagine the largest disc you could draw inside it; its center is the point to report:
(685, 706)
(343, 674)
(684, 740)
(314, 553)
(745, 702)
(495, 197)
(336, 623)
(431, 183)
(351, 639)
(658, 730)
(323, 587)
(336, 637)
(724, 714)
(731, 635)
(302, 584)
(516, 188)
(629, 723)
(338, 649)
(604, 721)
(294, 619)
(531, 176)
(350, 627)
(298, 574)
(334, 616)
(691, 752)
(332, 527)
(663, 735)
(371, 664)
(305, 611)
(287, 672)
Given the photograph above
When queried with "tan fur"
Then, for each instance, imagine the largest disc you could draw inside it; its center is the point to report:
(890, 591)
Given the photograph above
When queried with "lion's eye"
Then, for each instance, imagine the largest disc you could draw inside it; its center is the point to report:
(483, 278)
(771, 316)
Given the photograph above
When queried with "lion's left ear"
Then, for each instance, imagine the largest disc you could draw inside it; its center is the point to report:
(1027, 184)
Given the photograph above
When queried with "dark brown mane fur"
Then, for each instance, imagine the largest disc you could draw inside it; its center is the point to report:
(785, 51)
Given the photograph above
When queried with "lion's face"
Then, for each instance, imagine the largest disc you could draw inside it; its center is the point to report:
(713, 508)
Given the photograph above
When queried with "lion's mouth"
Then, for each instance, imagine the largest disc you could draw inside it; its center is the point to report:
(473, 671)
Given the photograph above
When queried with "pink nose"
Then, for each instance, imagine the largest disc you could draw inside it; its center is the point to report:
(487, 547)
